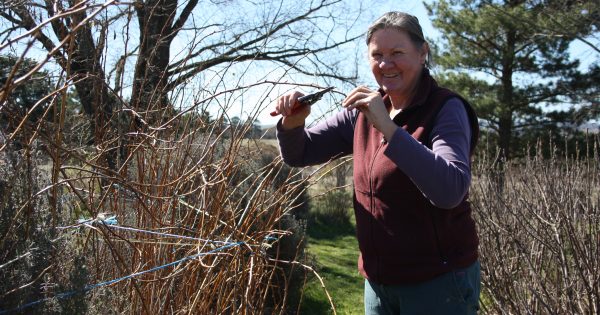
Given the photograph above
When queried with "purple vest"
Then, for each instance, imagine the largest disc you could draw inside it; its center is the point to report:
(403, 238)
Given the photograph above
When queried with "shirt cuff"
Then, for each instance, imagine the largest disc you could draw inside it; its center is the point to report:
(290, 133)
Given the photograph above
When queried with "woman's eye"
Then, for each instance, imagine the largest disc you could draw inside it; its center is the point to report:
(397, 53)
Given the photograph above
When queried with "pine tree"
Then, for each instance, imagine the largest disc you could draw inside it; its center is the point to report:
(510, 58)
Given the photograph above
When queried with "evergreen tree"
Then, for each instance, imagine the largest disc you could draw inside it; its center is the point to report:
(511, 60)
(25, 96)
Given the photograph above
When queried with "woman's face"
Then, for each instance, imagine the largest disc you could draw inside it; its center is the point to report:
(396, 62)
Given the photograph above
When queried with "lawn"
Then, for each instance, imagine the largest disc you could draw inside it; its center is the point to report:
(335, 251)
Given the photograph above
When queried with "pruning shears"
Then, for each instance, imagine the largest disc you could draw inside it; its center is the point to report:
(308, 100)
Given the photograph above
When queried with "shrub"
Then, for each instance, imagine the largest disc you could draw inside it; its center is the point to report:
(194, 184)
(334, 207)
(539, 234)
(34, 258)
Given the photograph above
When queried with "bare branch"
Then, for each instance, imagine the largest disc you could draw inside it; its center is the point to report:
(184, 15)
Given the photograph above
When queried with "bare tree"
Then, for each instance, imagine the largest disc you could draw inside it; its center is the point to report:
(96, 44)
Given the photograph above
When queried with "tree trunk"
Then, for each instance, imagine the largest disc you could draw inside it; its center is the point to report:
(151, 77)
(91, 87)
(505, 125)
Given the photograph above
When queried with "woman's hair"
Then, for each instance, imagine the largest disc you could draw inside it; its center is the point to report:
(402, 22)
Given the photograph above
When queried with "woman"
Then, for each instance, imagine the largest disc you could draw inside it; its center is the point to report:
(411, 141)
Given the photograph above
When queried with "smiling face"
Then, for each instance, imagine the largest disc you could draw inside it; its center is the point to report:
(396, 63)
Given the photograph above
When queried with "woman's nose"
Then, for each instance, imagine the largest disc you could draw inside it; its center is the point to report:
(385, 63)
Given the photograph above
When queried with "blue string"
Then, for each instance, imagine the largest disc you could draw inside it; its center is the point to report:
(101, 284)
(111, 222)
(164, 234)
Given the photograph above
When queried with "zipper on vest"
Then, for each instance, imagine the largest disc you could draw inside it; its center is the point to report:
(371, 206)
(443, 257)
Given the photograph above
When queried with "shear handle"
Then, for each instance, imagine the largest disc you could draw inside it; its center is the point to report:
(307, 100)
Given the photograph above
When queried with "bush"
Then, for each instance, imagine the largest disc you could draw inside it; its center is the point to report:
(334, 207)
(31, 250)
(192, 184)
(539, 234)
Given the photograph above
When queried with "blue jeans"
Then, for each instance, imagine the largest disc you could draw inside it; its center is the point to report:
(455, 292)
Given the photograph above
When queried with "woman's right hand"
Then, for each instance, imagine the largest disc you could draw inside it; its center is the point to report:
(293, 113)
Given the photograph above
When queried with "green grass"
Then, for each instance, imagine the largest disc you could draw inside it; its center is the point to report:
(335, 251)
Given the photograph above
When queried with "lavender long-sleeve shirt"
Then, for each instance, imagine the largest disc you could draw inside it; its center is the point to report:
(443, 173)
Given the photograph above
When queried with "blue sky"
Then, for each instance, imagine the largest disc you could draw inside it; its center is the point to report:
(258, 102)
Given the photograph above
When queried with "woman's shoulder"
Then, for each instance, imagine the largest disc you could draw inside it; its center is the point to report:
(454, 103)
(454, 112)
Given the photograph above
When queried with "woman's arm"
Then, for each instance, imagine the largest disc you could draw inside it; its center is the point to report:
(443, 174)
(329, 139)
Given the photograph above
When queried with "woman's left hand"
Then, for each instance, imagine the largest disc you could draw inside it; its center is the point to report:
(371, 104)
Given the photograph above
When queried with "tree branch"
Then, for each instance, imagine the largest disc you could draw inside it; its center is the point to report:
(276, 56)
(59, 28)
(185, 14)
(27, 22)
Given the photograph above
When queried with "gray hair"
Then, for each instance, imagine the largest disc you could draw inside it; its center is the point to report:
(402, 22)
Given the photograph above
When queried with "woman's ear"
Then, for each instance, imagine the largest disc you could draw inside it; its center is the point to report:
(424, 53)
